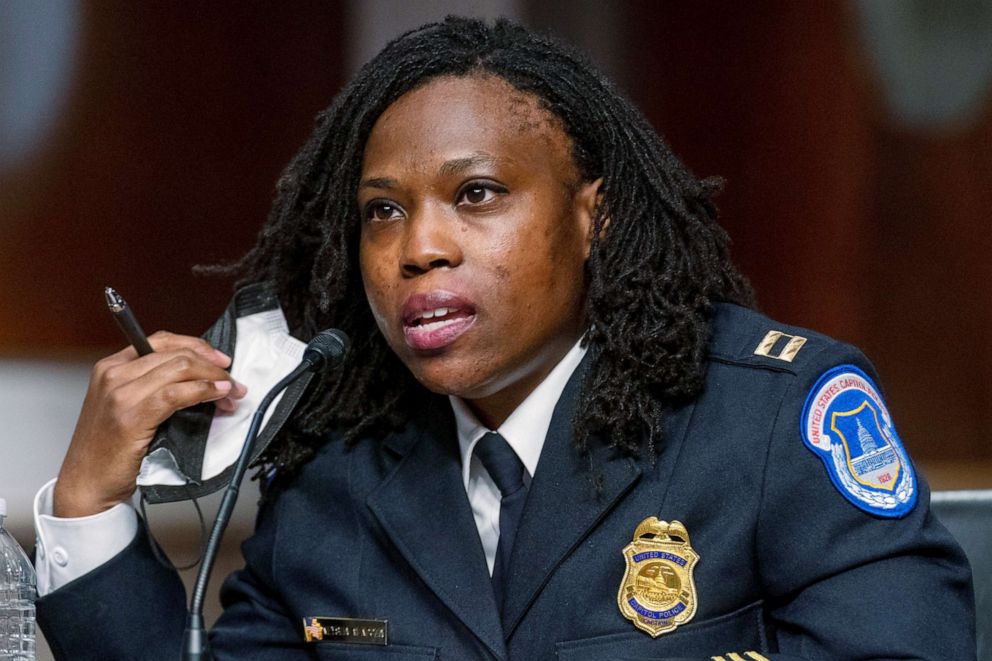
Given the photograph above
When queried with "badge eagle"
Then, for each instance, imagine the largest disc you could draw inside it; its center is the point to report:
(658, 593)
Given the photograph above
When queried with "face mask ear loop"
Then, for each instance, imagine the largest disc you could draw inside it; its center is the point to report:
(159, 552)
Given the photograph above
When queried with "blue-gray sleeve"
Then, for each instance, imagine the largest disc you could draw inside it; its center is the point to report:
(843, 583)
(130, 607)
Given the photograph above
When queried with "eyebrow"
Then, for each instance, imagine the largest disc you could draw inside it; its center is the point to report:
(379, 182)
(459, 165)
(448, 168)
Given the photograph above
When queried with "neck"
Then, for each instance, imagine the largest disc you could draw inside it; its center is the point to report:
(492, 410)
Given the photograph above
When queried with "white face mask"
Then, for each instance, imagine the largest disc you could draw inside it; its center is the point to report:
(194, 451)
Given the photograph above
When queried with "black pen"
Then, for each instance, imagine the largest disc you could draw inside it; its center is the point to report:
(126, 321)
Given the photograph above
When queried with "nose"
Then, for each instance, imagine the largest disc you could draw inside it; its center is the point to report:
(430, 241)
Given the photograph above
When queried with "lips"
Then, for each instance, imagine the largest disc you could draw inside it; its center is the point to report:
(436, 319)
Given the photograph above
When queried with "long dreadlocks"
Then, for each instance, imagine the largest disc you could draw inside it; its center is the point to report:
(652, 275)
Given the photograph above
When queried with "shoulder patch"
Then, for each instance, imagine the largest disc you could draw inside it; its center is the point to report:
(846, 424)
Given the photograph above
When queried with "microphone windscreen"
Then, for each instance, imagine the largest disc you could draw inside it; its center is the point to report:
(328, 346)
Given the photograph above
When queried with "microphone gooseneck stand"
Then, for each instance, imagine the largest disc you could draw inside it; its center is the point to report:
(328, 346)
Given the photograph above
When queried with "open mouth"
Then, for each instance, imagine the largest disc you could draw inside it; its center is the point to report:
(429, 326)
(431, 320)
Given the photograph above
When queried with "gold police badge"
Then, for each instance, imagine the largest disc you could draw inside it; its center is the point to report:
(657, 593)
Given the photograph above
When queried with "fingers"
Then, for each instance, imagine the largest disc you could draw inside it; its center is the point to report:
(181, 379)
(176, 396)
(125, 365)
(112, 374)
(164, 341)
(227, 404)
(128, 397)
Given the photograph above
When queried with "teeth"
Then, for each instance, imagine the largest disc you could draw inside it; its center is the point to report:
(430, 314)
(435, 324)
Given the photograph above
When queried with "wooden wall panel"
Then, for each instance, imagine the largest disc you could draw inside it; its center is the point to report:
(762, 95)
(180, 121)
(183, 115)
(844, 222)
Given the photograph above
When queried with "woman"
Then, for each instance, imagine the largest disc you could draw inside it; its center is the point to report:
(650, 467)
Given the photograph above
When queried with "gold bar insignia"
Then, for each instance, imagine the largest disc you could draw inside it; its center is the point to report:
(788, 350)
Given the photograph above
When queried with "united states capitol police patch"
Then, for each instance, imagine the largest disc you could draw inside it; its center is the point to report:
(845, 422)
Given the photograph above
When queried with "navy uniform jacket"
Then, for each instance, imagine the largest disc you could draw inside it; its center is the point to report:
(788, 567)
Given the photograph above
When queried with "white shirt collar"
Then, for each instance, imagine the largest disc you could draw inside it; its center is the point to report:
(527, 426)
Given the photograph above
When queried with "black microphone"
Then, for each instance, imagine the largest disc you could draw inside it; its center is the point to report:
(328, 347)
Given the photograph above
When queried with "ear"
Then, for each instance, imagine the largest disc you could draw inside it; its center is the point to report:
(586, 202)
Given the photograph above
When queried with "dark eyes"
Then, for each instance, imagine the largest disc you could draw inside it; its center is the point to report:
(475, 193)
(379, 210)
(479, 192)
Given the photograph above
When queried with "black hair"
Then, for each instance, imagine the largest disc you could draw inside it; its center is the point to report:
(655, 269)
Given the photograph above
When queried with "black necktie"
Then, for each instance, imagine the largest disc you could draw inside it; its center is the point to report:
(507, 471)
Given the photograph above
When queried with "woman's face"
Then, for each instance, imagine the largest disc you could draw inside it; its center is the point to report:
(475, 233)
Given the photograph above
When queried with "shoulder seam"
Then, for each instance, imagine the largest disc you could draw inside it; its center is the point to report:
(737, 362)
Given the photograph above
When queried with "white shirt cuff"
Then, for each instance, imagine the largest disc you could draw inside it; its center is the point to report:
(69, 548)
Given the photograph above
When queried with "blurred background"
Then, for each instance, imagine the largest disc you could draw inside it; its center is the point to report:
(855, 138)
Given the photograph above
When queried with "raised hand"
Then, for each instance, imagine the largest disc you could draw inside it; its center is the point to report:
(127, 399)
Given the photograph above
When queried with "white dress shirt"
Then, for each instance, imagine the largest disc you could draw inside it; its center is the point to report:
(67, 548)
(524, 430)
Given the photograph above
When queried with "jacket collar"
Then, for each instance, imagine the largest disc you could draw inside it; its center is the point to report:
(563, 507)
(423, 509)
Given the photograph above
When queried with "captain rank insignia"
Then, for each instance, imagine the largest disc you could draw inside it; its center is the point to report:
(657, 593)
(780, 346)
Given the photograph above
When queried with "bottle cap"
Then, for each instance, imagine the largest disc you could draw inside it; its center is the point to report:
(3, 507)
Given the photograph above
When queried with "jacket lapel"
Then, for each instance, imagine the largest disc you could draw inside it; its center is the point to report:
(423, 508)
(562, 506)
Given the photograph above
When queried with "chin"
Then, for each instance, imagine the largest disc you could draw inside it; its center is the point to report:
(451, 377)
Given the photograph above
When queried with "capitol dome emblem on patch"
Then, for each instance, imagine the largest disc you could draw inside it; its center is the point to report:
(845, 422)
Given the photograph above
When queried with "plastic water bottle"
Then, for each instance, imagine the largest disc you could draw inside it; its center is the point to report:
(17, 594)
